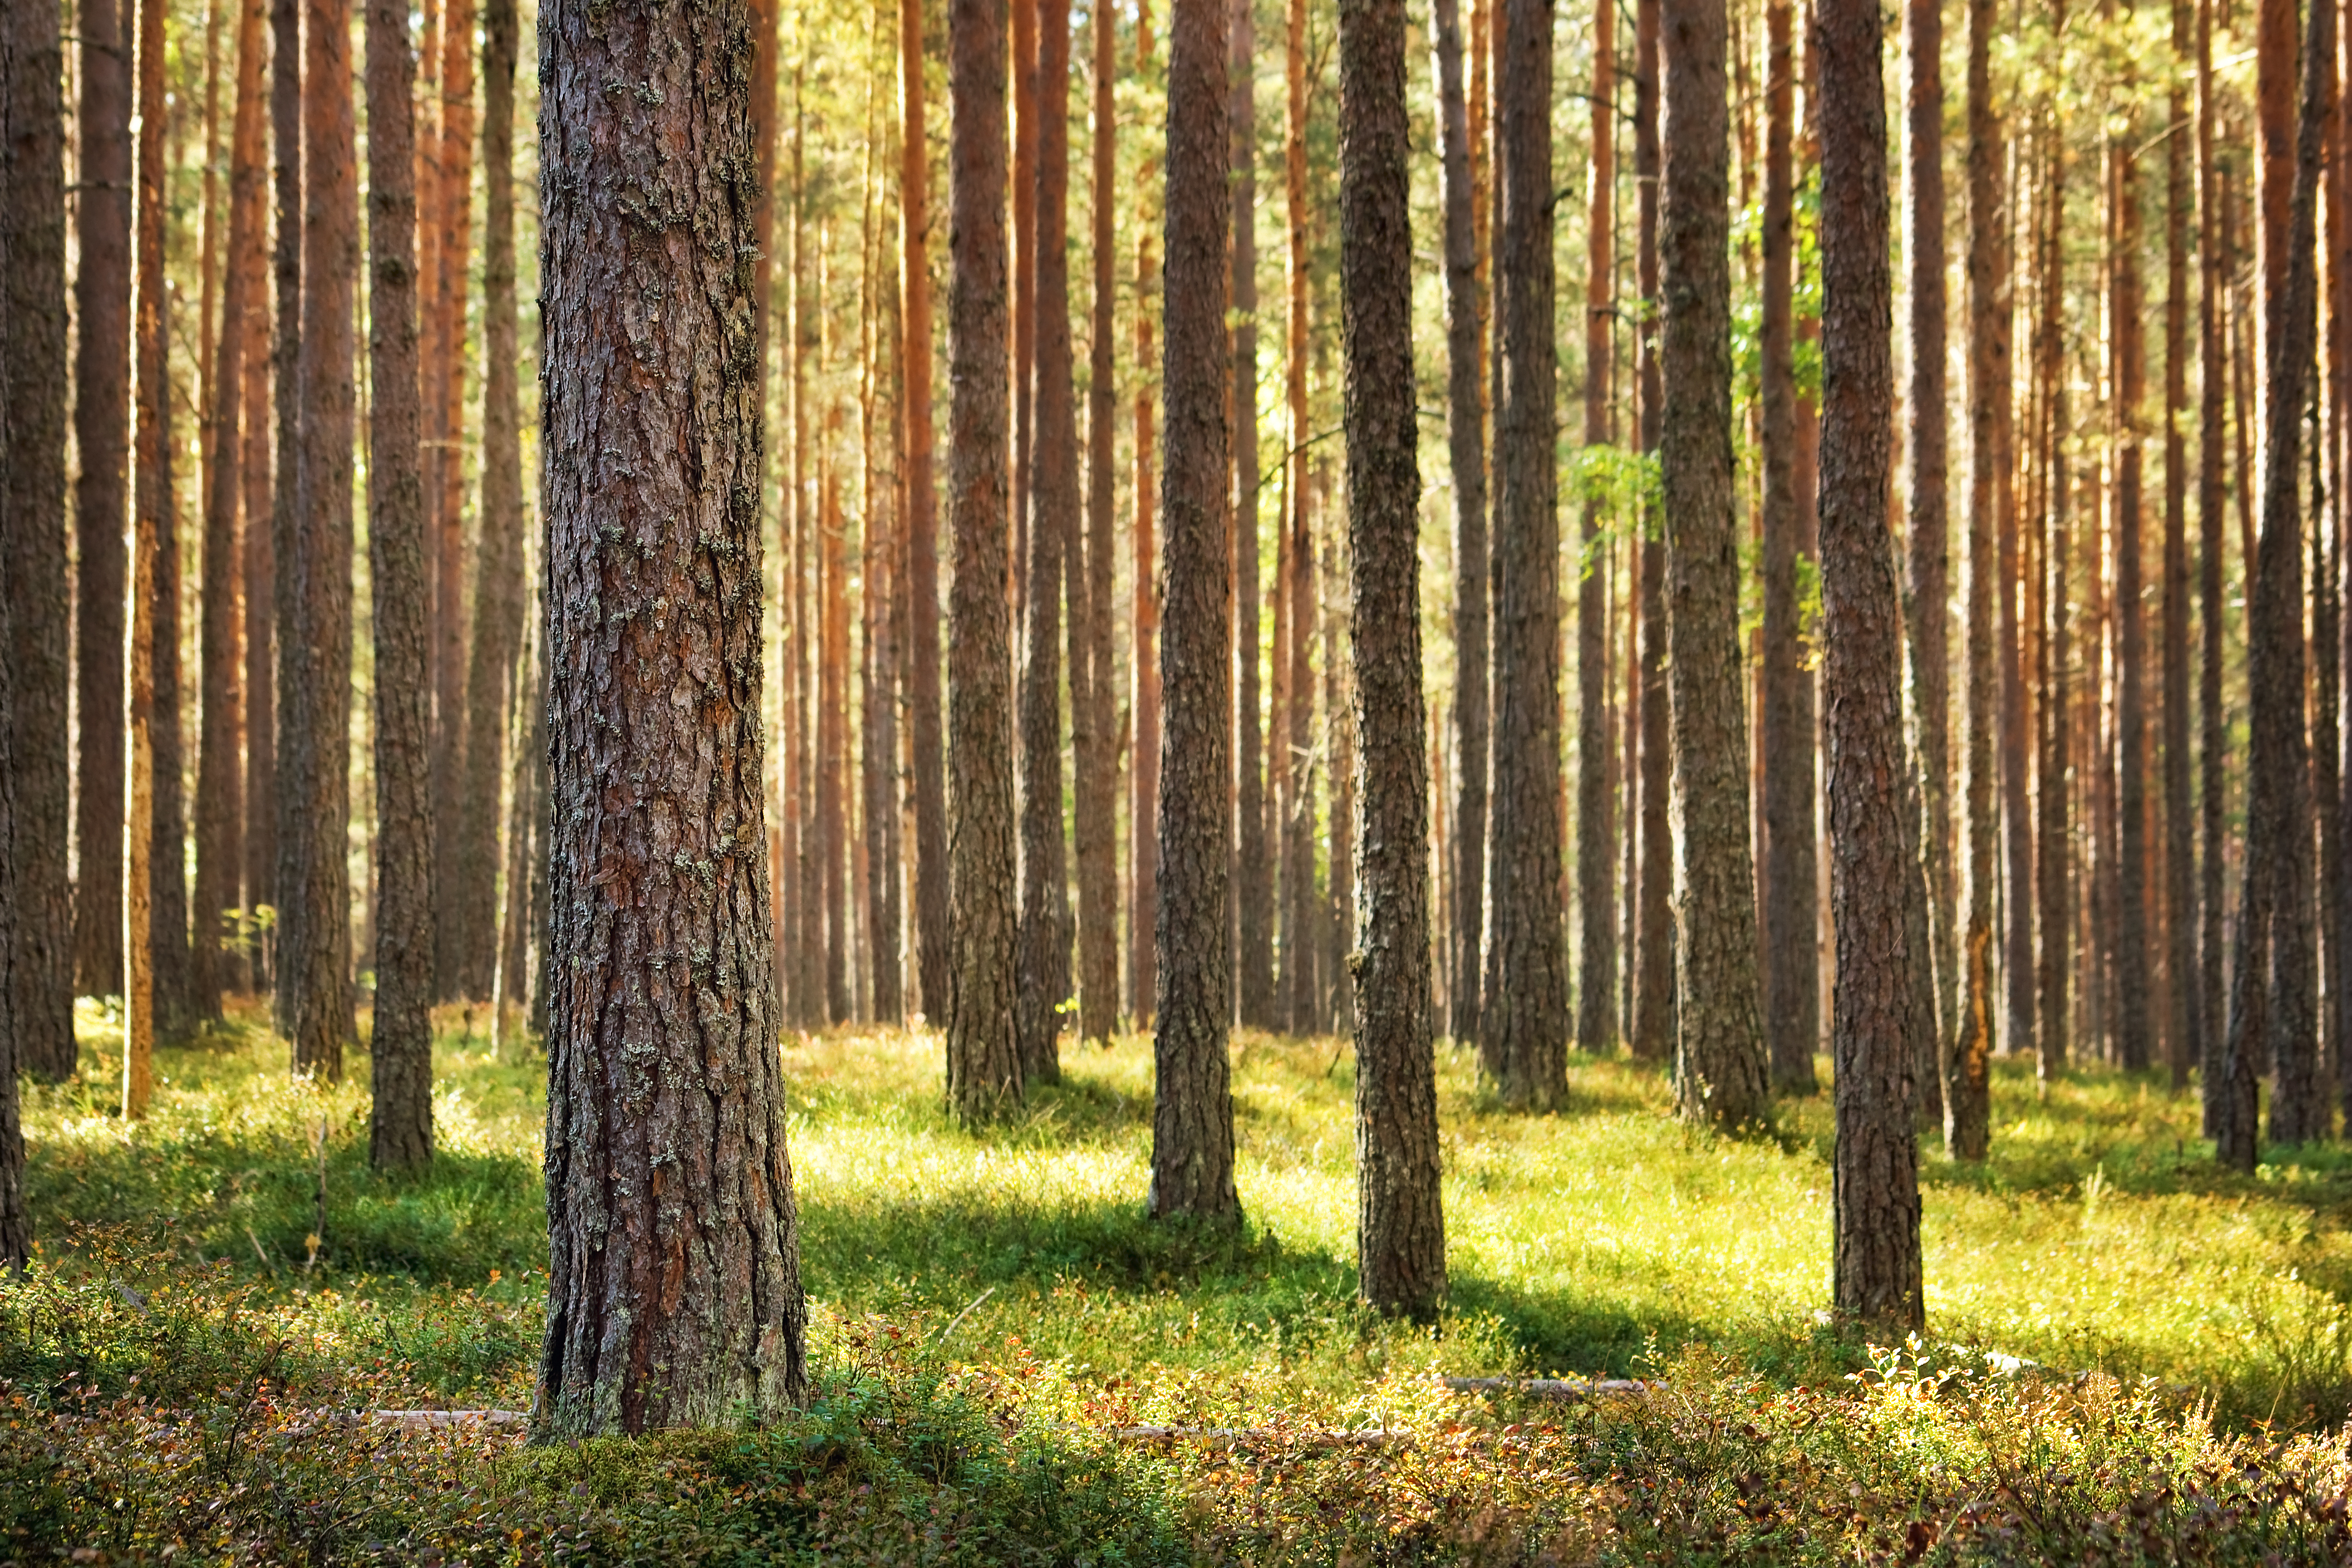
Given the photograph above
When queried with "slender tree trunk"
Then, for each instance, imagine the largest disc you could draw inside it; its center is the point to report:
(1653, 937)
(2057, 880)
(285, 508)
(833, 723)
(881, 601)
(220, 811)
(167, 928)
(1296, 613)
(1926, 587)
(1596, 760)
(38, 947)
(983, 1063)
(1875, 1190)
(1192, 1117)
(2213, 718)
(260, 590)
(2185, 985)
(2133, 978)
(1338, 705)
(1400, 1224)
(1252, 886)
(1793, 1007)
(1720, 1067)
(1143, 660)
(1523, 1035)
(1093, 722)
(151, 499)
(101, 382)
(1465, 430)
(315, 940)
(1967, 1059)
(2273, 974)
(673, 1239)
(2014, 749)
(1043, 979)
(1022, 78)
(930, 783)
(400, 1122)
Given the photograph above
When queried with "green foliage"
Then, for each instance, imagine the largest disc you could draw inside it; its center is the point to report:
(994, 1318)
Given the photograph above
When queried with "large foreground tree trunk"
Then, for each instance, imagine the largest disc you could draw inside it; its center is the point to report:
(1192, 1111)
(1400, 1223)
(37, 951)
(983, 1061)
(1651, 959)
(1876, 1181)
(674, 1294)
(1720, 1071)
(930, 783)
(400, 1120)
(151, 499)
(1597, 860)
(1523, 1033)
(16, 1232)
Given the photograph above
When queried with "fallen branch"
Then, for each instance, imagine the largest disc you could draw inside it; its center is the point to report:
(1545, 1388)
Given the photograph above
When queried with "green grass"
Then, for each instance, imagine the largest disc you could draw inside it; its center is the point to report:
(1005, 1289)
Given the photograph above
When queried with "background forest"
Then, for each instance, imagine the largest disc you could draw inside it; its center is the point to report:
(297, 689)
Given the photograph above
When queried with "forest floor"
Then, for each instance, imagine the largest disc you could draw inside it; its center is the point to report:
(2132, 1355)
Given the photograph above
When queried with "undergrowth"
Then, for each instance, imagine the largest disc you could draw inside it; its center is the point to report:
(2133, 1358)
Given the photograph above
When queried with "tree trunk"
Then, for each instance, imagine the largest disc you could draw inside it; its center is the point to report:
(1143, 661)
(101, 380)
(1022, 78)
(2014, 749)
(2212, 726)
(400, 1121)
(1253, 884)
(38, 949)
(1654, 936)
(151, 499)
(832, 719)
(1338, 706)
(672, 1238)
(2184, 983)
(1400, 1224)
(880, 602)
(260, 571)
(930, 783)
(2057, 902)
(1523, 1034)
(1465, 432)
(2129, 373)
(1043, 980)
(1193, 1115)
(220, 810)
(1876, 1186)
(314, 943)
(285, 507)
(1719, 1069)
(1793, 983)
(1968, 1057)
(1295, 615)
(2274, 972)
(1596, 762)
(461, 885)
(1093, 722)
(1926, 587)
(983, 1063)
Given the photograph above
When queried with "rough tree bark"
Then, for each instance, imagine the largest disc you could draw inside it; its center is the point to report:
(38, 947)
(1400, 1223)
(16, 29)
(1041, 980)
(930, 783)
(400, 1120)
(983, 1063)
(2274, 972)
(102, 492)
(1465, 447)
(1093, 722)
(1193, 1113)
(220, 807)
(260, 571)
(1875, 1179)
(289, 666)
(1966, 1061)
(1792, 970)
(674, 1294)
(2057, 887)
(2183, 1044)
(2213, 718)
(1720, 1067)
(150, 501)
(1597, 864)
(1523, 1030)
(1301, 948)
(2129, 370)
